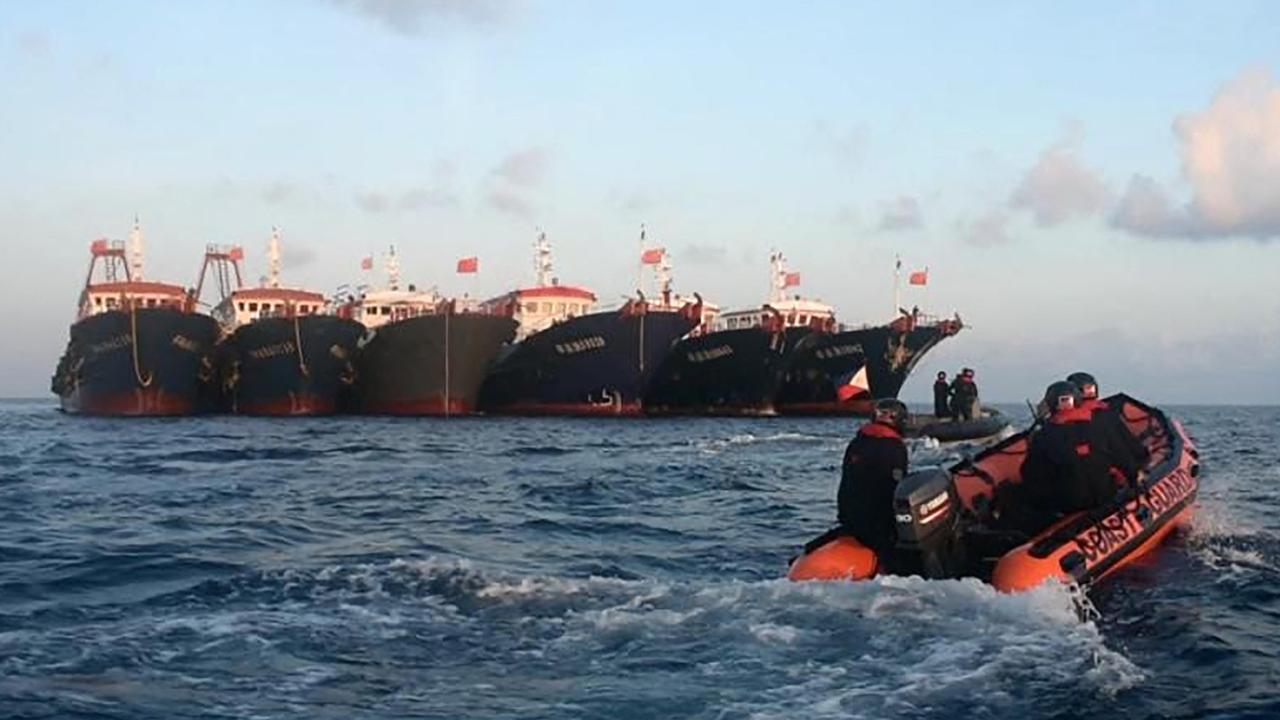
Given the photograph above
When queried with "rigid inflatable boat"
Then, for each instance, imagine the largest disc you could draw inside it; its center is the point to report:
(957, 523)
(992, 422)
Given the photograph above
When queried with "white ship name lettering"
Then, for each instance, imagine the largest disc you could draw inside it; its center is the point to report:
(185, 343)
(715, 353)
(573, 347)
(836, 351)
(115, 343)
(270, 351)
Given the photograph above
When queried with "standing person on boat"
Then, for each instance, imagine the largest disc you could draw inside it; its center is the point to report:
(874, 462)
(1072, 465)
(1108, 420)
(964, 396)
(941, 396)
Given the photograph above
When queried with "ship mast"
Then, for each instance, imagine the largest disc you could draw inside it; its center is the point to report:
(135, 250)
(640, 263)
(273, 258)
(662, 273)
(393, 269)
(542, 260)
(778, 279)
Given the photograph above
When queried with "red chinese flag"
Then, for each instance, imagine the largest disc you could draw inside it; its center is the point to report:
(791, 280)
(366, 263)
(99, 246)
(236, 253)
(469, 265)
(919, 277)
(652, 257)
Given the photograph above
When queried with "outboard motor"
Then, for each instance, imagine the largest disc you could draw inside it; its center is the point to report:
(927, 509)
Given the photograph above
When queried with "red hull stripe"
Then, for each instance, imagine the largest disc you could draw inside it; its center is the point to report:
(582, 409)
(856, 407)
(141, 402)
(429, 406)
(289, 406)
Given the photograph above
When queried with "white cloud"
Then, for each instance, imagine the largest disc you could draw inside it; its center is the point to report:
(1058, 187)
(1230, 160)
(988, 231)
(703, 254)
(411, 16)
(510, 203)
(901, 213)
(525, 168)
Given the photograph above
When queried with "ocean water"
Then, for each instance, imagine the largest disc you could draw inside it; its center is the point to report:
(537, 568)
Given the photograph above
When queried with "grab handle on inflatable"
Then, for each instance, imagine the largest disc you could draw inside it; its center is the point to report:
(1073, 564)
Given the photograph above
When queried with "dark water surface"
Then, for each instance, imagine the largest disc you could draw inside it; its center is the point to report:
(494, 568)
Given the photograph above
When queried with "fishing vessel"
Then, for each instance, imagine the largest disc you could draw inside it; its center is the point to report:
(738, 363)
(137, 347)
(791, 356)
(284, 351)
(570, 358)
(422, 354)
(843, 372)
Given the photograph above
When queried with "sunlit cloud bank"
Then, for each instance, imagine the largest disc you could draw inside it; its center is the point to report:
(1230, 155)
(1230, 161)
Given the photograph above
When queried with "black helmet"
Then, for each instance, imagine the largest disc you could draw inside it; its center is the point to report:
(1088, 386)
(1062, 395)
(890, 412)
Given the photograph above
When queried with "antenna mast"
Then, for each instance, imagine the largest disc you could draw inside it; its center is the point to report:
(897, 292)
(273, 258)
(393, 269)
(542, 259)
(663, 275)
(135, 250)
(640, 263)
(778, 277)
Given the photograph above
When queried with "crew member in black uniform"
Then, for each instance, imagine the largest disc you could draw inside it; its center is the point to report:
(874, 462)
(941, 396)
(1072, 465)
(964, 395)
(1108, 419)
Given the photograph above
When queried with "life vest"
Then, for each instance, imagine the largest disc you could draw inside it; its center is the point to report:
(879, 430)
(1084, 414)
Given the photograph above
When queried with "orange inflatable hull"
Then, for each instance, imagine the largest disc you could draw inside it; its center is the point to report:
(844, 558)
(1081, 548)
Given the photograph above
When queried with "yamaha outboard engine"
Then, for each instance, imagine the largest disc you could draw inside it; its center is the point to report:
(927, 509)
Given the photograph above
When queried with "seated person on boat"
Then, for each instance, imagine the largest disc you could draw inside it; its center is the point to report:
(1071, 464)
(1108, 419)
(874, 462)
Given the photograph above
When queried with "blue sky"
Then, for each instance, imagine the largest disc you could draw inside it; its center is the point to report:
(1093, 186)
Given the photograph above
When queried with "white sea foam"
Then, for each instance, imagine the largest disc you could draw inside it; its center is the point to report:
(713, 446)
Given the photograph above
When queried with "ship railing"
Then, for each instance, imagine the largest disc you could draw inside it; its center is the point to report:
(921, 320)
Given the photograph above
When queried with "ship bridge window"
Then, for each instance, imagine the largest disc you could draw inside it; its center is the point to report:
(151, 302)
(560, 308)
(531, 307)
(546, 307)
(111, 302)
(804, 319)
(385, 310)
(253, 307)
(97, 301)
(240, 305)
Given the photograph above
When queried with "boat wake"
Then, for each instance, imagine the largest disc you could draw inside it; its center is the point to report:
(888, 647)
